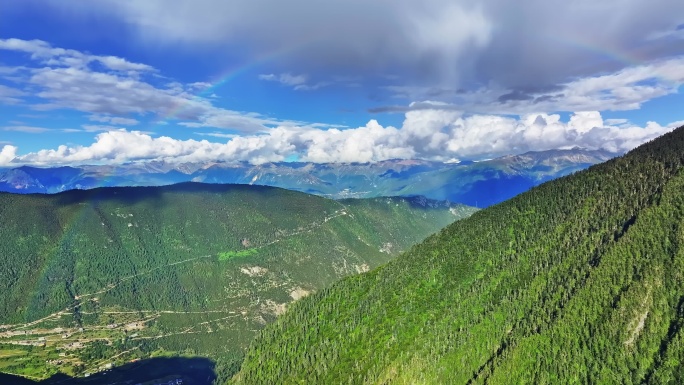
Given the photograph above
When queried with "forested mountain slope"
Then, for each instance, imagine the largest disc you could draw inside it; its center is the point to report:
(580, 280)
(105, 276)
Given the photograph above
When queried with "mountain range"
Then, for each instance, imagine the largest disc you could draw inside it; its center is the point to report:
(478, 184)
(577, 281)
(94, 279)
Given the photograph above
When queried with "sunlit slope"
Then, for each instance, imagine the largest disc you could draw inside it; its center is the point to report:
(109, 275)
(580, 280)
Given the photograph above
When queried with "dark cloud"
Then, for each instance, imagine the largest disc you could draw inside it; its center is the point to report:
(534, 94)
(527, 43)
(539, 43)
(515, 95)
(441, 92)
(523, 52)
(384, 109)
(346, 38)
(542, 89)
(547, 98)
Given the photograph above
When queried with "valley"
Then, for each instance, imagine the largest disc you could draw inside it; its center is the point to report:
(208, 192)
(111, 276)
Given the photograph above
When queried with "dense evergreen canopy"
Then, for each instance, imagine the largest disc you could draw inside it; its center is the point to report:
(580, 280)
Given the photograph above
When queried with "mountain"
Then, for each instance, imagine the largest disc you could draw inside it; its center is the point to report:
(483, 184)
(97, 278)
(31, 179)
(472, 183)
(579, 280)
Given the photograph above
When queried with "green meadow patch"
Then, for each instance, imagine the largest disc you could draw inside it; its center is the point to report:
(226, 255)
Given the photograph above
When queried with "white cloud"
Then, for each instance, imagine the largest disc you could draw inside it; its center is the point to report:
(97, 128)
(58, 56)
(103, 93)
(217, 135)
(616, 122)
(584, 121)
(68, 80)
(285, 78)
(297, 82)
(428, 134)
(496, 135)
(364, 144)
(113, 120)
(199, 85)
(26, 129)
(311, 87)
(39, 130)
(119, 64)
(7, 154)
(10, 95)
(122, 146)
(626, 89)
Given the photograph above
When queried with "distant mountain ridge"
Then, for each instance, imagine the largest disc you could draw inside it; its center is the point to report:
(473, 183)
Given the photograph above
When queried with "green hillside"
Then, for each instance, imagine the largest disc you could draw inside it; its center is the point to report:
(106, 276)
(580, 280)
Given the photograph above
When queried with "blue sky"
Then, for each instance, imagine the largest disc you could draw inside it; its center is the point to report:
(261, 80)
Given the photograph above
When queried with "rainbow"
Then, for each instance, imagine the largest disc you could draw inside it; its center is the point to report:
(593, 45)
(233, 72)
(590, 45)
(68, 233)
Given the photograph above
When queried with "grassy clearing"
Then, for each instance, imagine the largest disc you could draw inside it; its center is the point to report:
(226, 255)
(7, 353)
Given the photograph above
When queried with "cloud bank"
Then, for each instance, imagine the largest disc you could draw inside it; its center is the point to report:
(427, 134)
(521, 45)
(626, 89)
(111, 89)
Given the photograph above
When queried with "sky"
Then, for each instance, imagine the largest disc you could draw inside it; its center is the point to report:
(114, 81)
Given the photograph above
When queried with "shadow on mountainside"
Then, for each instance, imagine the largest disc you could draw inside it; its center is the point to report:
(132, 195)
(153, 371)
